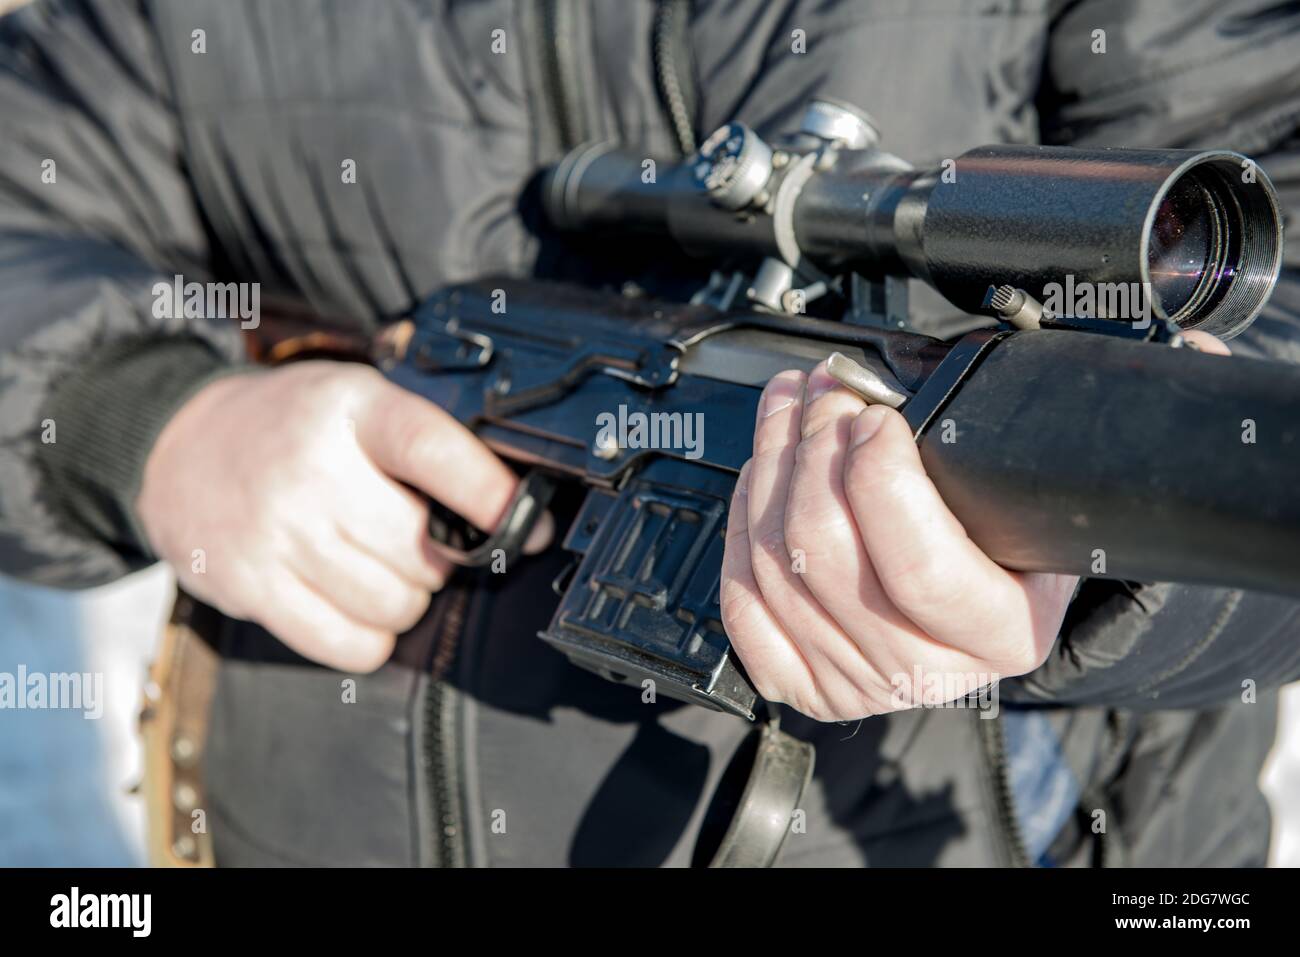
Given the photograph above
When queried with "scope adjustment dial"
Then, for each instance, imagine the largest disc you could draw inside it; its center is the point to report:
(733, 166)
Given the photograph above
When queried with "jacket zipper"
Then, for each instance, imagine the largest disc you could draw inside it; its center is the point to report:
(562, 89)
(442, 734)
(442, 714)
(563, 94)
(993, 736)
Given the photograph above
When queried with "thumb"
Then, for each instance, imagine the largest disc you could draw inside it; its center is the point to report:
(1205, 342)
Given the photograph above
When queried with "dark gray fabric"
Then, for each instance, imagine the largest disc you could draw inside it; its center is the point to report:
(112, 411)
(226, 165)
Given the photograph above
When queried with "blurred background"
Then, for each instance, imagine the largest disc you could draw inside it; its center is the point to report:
(65, 781)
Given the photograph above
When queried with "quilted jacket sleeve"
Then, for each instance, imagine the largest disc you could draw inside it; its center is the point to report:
(95, 210)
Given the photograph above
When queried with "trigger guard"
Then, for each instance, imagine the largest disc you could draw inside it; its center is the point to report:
(526, 506)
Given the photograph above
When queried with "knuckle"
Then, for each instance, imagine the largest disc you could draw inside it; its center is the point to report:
(818, 444)
(343, 382)
(770, 439)
(819, 526)
(1012, 648)
(409, 608)
(826, 425)
(353, 375)
(868, 475)
(766, 681)
(736, 531)
(1020, 658)
(410, 431)
(285, 622)
(771, 544)
(813, 703)
(433, 568)
(799, 534)
(812, 707)
(803, 693)
(806, 538)
(770, 460)
(437, 581)
(371, 652)
(846, 704)
(418, 521)
(241, 590)
(918, 580)
(418, 442)
(766, 690)
(736, 604)
(809, 450)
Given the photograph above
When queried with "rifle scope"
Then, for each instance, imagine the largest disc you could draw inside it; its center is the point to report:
(1197, 236)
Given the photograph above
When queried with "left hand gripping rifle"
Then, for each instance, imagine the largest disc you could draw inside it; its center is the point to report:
(1066, 438)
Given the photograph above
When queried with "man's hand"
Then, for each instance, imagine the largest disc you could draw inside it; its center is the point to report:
(845, 573)
(277, 498)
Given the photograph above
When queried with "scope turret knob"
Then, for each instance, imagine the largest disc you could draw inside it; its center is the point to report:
(733, 166)
(840, 123)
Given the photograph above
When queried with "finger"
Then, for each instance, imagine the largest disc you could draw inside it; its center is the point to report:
(776, 435)
(414, 441)
(391, 523)
(771, 659)
(827, 402)
(1204, 342)
(359, 585)
(932, 572)
(308, 623)
(821, 530)
(1047, 597)
(836, 659)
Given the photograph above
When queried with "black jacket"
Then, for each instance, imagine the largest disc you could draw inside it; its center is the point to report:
(1153, 713)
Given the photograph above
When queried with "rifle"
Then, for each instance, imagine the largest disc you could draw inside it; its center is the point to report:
(1072, 436)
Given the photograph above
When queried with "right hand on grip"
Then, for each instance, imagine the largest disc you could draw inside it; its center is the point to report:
(279, 497)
